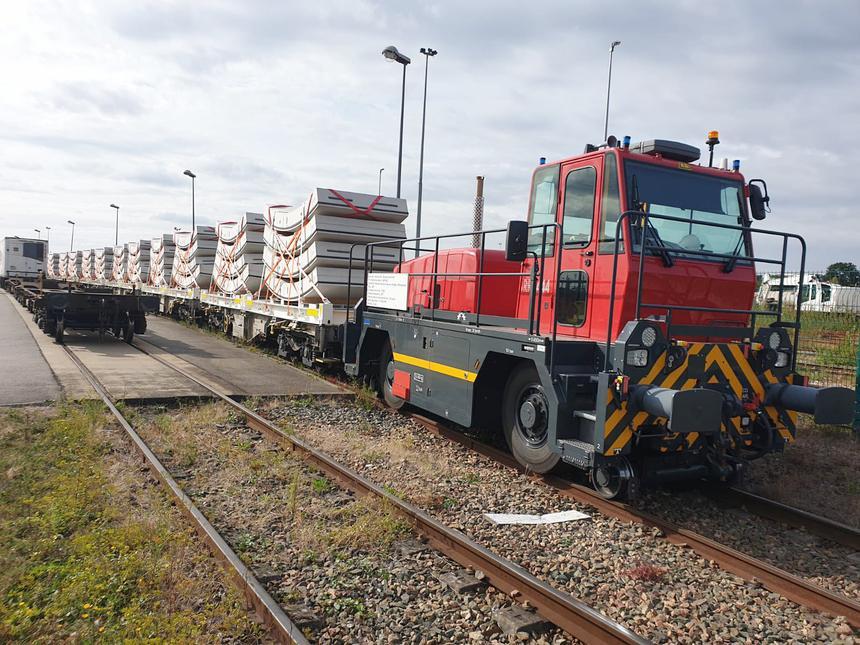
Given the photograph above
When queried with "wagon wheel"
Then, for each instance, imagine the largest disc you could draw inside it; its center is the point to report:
(128, 333)
(614, 478)
(59, 330)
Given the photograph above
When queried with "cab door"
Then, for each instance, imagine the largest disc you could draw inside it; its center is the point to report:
(574, 299)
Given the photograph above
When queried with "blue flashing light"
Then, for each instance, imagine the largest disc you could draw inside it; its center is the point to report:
(626, 141)
(736, 165)
(542, 161)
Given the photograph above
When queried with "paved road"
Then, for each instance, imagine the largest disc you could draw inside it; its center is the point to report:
(24, 374)
(247, 372)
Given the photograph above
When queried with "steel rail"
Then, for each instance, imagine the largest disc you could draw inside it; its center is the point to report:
(779, 512)
(270, 612)
(560, 608)
(745, 566)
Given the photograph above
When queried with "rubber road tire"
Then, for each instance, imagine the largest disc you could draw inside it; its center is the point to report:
(386, 357)
(537, 459)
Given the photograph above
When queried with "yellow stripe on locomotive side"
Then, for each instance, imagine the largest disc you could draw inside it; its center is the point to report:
(440, 368)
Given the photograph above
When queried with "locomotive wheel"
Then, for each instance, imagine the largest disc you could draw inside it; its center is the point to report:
(610, 478)
(386, 377)
(128, 333)
(525, 420)
(59, 329)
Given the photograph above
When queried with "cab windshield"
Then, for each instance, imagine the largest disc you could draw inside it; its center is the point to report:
(694, 198)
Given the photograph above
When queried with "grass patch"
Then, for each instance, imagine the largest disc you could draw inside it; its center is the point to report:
(365, 396)
(85, 556)
(321, 485)
(368, 525)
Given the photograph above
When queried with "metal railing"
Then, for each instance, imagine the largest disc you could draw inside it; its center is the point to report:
(644, 248)
(548, 246)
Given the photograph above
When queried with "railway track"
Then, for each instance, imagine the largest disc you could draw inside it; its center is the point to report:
(266, 608)
(560, 608)
(764, 507)
(741, 564)
(773, 578)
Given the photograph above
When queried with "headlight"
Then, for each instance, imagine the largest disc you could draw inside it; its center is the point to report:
(782, 359)
(649, 336)
(774, 340)
(637, 357)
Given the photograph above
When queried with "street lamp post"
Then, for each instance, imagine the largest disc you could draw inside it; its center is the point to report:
(427, 54)
(392, 54)
(612, 47)
(38, 233)
(379, 189)
(116, 230)
(48, 240)
(72, 243)
(188, 173)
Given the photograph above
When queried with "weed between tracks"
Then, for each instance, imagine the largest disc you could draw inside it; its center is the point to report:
(89, 550)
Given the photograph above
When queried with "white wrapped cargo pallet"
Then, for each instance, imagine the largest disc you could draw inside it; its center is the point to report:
(88, 271)
(75, 266)
(63, 266)
(120, 263)
(238, 266)
(104, 264)
(161, 252)
(307, 254)
(137, 271)
(54, 266)
(194, 258)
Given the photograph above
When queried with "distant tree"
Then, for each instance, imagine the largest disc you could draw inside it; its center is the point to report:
(845, 273)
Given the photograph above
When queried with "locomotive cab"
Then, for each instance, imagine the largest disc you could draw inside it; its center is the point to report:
(616, 332)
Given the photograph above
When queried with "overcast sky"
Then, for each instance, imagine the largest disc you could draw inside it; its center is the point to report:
(110, 101)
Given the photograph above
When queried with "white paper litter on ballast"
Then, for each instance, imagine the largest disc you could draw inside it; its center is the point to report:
(547, 518)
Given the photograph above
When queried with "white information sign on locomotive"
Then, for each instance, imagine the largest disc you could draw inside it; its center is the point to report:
(388, 290)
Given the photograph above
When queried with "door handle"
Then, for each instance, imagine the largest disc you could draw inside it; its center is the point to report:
(587, 253)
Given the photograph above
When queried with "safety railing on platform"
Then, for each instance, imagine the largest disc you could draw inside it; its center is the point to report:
(642, 231)
(548, 245)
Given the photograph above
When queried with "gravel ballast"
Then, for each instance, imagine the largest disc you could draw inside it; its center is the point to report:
(352, 565)
(659, 590)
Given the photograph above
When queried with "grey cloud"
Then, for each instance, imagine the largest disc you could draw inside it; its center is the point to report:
(91, 97)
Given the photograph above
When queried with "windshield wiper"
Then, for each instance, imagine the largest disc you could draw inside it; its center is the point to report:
(637, 206)
(663, 251)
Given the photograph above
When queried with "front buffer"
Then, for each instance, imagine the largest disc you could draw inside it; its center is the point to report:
(676, 411)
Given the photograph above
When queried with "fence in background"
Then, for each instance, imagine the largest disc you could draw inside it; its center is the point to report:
(830, 325)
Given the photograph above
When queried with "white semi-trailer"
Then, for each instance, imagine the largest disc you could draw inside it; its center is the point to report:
(22, 257)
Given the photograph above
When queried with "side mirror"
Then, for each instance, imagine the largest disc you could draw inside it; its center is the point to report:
(759, 199)
(517, 241)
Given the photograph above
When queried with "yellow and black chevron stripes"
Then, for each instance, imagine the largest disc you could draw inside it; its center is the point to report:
(724, 364)
(440, 368)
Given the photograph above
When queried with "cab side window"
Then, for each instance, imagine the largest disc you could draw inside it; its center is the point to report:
(544, 206)
(572, 298)
(610, 209)
(579, 206)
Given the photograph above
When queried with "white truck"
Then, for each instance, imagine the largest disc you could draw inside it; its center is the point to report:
(22, 257)
(816, 294)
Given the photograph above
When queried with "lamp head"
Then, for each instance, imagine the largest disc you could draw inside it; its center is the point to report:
(188, 173)
(391, 53)
(114, 206)
(614, 44)
(70, 222)
(427, 51)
